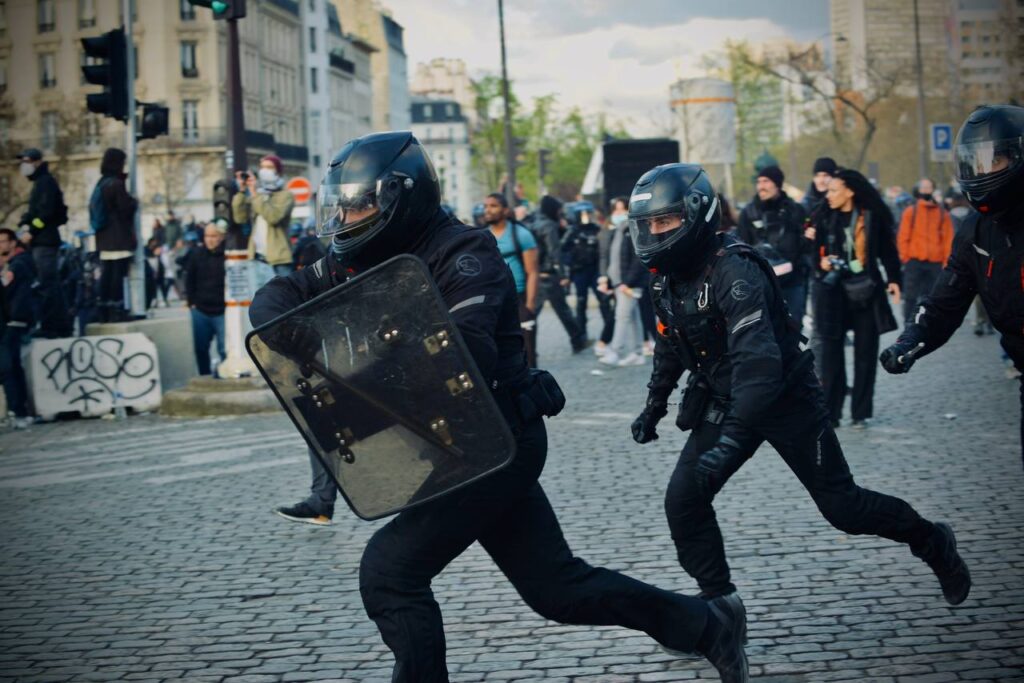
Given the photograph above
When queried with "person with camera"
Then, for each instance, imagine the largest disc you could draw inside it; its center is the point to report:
(724, 318)
(988, 251)
(851, 239)
(265, 204)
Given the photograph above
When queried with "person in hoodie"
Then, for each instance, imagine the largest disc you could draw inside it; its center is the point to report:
(40, 231)
(266, 205)
(112, 215)
(773, 219)
(925, 240)
(814, 200)
(17, 271)
(547, 228)
(204, 291)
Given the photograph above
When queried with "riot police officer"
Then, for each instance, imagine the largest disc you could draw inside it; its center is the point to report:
(724, 318)
(988, 251)
(380, 198)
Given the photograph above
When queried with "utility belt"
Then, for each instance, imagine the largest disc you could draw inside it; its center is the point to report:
(700, 404)
(534, 396)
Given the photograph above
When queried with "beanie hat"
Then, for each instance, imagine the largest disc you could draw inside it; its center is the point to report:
(825, 165)
(550, 206)
(276, 161)
(772, 173)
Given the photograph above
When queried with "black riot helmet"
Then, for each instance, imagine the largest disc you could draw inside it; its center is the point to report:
(990, 158)
(378, 196)
(674, 214)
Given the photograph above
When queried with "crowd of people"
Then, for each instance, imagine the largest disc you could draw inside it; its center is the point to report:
(53, 286)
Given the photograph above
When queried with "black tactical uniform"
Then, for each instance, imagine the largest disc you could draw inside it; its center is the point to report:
(506, 512)
(988, 252)
(725, 320)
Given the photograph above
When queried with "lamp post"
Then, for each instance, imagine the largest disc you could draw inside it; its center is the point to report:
(922, 139)
(510, 153)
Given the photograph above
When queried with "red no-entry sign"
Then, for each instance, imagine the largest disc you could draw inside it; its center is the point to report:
(300, 189)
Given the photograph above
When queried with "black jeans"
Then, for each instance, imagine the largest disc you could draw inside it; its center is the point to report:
(509, 515)
(51, 309)
(113, 273)
(551, 290)
(831, 357)
(12, 372)
(798, 429)
(584, 281)
(918, 279)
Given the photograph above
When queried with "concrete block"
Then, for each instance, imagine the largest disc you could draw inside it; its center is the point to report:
(83, 374)
(173, 339)
(206, 396)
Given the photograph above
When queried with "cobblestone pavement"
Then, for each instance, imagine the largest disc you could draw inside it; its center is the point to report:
(145, 549)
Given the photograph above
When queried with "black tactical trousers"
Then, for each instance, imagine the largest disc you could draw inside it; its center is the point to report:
(509, 515)
(551, 291)
(799, 430)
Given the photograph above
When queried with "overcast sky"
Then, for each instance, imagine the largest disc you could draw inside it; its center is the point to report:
(615, 56)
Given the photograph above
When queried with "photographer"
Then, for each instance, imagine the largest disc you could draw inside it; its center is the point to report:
(852, 237)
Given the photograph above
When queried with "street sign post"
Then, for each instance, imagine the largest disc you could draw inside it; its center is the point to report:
(941, 136)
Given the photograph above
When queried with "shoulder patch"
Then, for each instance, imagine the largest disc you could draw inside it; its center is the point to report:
(739, 290)
(468, 265)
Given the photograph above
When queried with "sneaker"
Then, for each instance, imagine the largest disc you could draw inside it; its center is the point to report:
(940, 554)
(303, 512)
(600, 348)
(696, 655)
(631, 359)
(726, 652)
(609, 357)
(859, 424)
(22, 422)
(648, 348)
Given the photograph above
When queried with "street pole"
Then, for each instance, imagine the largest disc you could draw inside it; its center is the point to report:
(510, 161)
(137, 277)
(236, 122)
(921, 125)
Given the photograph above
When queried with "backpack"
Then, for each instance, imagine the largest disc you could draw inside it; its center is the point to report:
(97, 207)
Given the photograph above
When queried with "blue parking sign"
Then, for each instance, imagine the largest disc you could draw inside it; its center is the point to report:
(942, 142)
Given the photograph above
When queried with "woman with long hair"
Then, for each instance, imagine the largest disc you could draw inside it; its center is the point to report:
(853, 237)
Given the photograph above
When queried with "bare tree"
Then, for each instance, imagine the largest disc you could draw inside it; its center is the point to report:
(842, 101)
(176, 174)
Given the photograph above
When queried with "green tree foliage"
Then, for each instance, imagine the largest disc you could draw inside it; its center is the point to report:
(571, 137)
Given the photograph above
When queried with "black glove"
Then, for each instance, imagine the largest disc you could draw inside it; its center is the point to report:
(294, 339)
(644, 426)
(899, 357)
(714, 467)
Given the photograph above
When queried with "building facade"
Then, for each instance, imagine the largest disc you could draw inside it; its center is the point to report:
(444, 132)
(446, 79)
(388, 65)
(180, 63)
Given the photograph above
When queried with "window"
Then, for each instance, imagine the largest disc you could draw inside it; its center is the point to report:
(449, 110)
(3, 77)
(3, 18)
(86, 13)
(46, 18)
(190, 119)
(47, 70)
(48, 129)
(427, 113)
(188, 59)
(187, 11)
(91, 127)
(312, 80)
(312, 38)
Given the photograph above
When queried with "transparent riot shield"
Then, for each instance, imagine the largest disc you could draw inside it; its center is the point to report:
(378, 380)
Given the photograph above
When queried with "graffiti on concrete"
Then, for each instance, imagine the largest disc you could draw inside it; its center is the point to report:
(88, 374)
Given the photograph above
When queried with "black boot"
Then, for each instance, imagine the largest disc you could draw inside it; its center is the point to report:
(940, 554)
(722, 641)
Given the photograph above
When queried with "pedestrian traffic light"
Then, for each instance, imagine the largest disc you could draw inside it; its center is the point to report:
(111, 72)
(223, 191)
(154, 121)
(223, 9)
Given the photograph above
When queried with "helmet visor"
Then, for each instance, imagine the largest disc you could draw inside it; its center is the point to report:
(350, 210)
(651, 233)
(976, 160)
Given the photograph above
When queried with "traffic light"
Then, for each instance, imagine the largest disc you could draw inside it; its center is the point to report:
(543, 159)
(223, 191)
(111, 73)
(154, 121)
(222, 9)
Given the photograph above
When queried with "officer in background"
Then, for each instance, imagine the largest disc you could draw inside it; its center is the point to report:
(988, 249)
(724, 318)
(381, 198)
(582, 252)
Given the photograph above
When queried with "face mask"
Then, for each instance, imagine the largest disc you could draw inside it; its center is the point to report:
(268, 176)
(619, 218)
(27, 168)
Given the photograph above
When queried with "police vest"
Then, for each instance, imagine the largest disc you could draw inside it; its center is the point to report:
(693, 323)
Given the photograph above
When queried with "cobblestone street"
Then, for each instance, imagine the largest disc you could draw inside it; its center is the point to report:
(146, 549)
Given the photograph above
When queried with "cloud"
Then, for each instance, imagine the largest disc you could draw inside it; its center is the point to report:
(617, 67)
